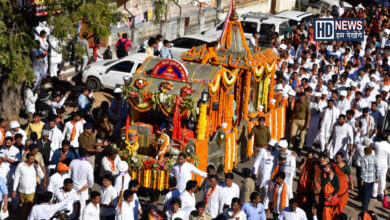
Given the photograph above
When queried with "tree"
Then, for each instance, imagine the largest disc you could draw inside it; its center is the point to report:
(160, 8)
(17, 38)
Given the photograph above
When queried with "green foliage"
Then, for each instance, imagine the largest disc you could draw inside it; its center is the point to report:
(160, 9)
(17, 30)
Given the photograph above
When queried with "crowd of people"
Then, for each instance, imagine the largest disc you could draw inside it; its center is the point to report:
(337, 94)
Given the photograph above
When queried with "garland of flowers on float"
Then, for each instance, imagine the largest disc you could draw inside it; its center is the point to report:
(202, 121)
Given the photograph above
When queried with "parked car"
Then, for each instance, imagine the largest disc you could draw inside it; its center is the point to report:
(182, 44)
(296, 17)
(281, 25)
(108, 74)
(250, 23)
(324, 5)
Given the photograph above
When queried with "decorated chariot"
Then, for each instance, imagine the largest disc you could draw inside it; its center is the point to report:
(203, 107)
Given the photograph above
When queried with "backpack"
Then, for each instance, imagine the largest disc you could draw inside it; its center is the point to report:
(121, 49)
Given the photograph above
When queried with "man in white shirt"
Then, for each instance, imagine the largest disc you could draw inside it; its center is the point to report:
(109, 196)
(125, 211)
(366, 124)
(58, 102)
(82, 175)
(254, 40)
(56, 180)
(329, 117)
(235, 213)
(73, 129)
(92, 210)
(230, 190)
(29, 101)
(187, 198)
(263, 167)
(46, 210)
(341, 138)
(4, 169)
(123, 179)
(65, 193)
(214, 197)
(183, 170)
(382, 155)
(280, 191)
(25, 182)
(382, 105)
(292, 212)
(55, 136)
(15, 129)
(316, 108)
(109, 163)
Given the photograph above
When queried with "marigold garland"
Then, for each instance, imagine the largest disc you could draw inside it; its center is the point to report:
(247, 91)
(202, 122)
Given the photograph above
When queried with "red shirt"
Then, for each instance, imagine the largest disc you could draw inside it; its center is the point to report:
(127, 44)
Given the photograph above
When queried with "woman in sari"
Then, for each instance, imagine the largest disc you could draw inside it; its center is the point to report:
(330, 188)
(345, 171)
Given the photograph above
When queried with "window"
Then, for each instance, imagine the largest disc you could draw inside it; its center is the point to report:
(220, 26)
(308, 20)
(124, 66)
(265, 29)
(138, 66)
(283, 28)
(109, 63)
(186, 43)
(292, 23)
(249, 27)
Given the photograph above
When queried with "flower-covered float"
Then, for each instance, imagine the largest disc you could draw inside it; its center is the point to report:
(200, 107)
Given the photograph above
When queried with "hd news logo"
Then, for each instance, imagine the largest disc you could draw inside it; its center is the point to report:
(342, 29)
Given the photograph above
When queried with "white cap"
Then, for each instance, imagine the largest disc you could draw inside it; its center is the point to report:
(343, 93)
(272, 142)
(117, 90)
(260, 108)
(273, 101)
(354, 84)
(14, 124)
(317, 94)
(224, 125)
(372, 84)
(376, 77)
(312, 85)
(385, 89)
(366, 141)
(387, 31)
(283, 144)
(282, 47)
(324, 92)
(279, 87)
(123, 166)
(291, 92)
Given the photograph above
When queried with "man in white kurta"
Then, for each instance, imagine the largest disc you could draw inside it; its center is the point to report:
(263, 167)
(213, 197)
(230, 190)
(187, 198)
(183, 170)
(343, 104)
(382, 155)
(341, 138)
(288, 167)
(124, 210)
(329, 118)
(316, 108)
(55, 55)
(82, 175)
(365, 124)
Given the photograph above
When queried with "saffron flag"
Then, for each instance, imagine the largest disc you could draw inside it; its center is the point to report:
(226, 22)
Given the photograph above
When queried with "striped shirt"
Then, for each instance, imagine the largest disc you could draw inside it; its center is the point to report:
(369, 169)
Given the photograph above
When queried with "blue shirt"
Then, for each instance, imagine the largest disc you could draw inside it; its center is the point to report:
(84, 104)
(57, 154)
(253, 213)
(3, 189)
(165, 53)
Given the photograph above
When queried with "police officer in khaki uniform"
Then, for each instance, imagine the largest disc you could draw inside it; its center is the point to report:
(300, 120)
(262, 135)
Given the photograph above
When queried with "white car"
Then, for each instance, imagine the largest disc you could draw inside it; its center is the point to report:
(183, 44)
(325, 5)
(108, 74)
(296, 17)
